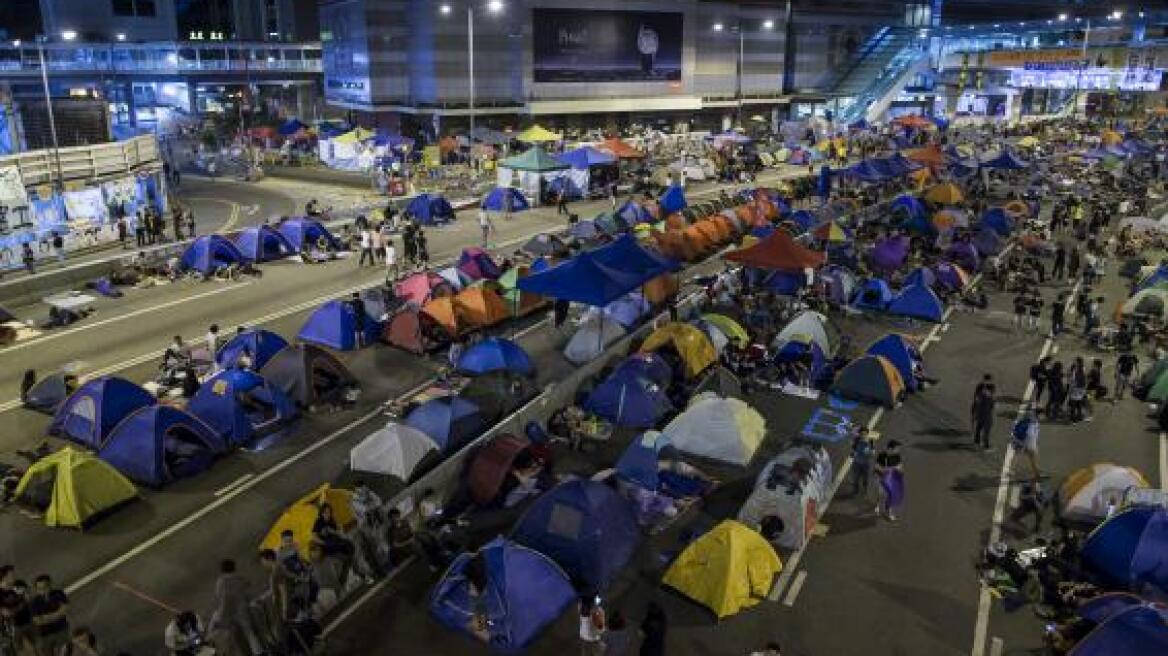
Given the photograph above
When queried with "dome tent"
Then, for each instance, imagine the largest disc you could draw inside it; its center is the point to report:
(90, 413)
(48, 393)
(594, 335)
(871, 378)
(239, 405)
(726, 570)
(257, 344)
(430, 209)
(159, 444)
(495, 354)
(723, 429)
(1091, 493)
(262, 244)
(395, 450)
(73, 488)
(449, 421)
(1130, 549)
(305, 233)
(301, 515)
(335, 325)
(209, 253)
(628, 399)
(902, 353)
(918, 302)
(308, 374)
(814, 326)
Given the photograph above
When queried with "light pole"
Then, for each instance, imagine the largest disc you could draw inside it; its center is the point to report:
(493, 6)
(40, 41)
(740, 27)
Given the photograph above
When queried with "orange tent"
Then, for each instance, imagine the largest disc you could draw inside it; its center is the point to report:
(778, 251)
(442, 311)
(709, 231)
(769, 210)
(677, 245)
(725, 226)
(748, 213)
(675, 221)
(700, 240)
(480, 307)
(447, 144)
(913, 121)
(930, 155)
(621, 149)
(661, 288)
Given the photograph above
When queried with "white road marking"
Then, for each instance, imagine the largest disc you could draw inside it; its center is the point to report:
(876, 417)
(364, 598)
(789, 569)
(532, 328)
(1164, 461)
(796, 586)
(997, 646)
(233, 484)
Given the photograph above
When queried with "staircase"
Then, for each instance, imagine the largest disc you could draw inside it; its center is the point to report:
(884, 86)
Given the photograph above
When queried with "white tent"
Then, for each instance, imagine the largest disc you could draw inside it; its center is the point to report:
(794, 493)
(394, 450)
(1152, 301)
(1088, 492)
(725, 429)
(812, 324)
(592, 337)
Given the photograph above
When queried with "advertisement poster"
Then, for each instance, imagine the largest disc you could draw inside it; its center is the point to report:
(122, 192)
(13, 199)
(87, 204)
(574, 45)
(49, 215)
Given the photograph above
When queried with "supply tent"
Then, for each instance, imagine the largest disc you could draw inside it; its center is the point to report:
(586, 528)
(1093, 492)
(630, 400)
(779, 251)
(495, 354)
(300, 516)
(1123, 624)
(873, 294)
(48, 393)
(1130, 550)
(505, 199)
(305, 234)
(308, 374)
(159, 444)
(871, 379)
(726, 570)
(263, 244)
(627, 255)
(585, 161)
(814, 326)
(73, 488)
(723, 429)
(530, 172)
(519, 590)
(595, 334)
(917, 302)
(582, 279)
(257, 344)
(238, 406)
(91, 413)
(450, 421)
(694, 348)
(209, 253)
(902, 353)
(335, 325)
(395, 450)
(430, 209)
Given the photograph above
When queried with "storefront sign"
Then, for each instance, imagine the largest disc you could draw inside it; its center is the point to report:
(1055, 59)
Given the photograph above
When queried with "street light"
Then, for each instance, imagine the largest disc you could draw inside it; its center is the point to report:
(40, 41)
(121, 36)
(445, 9)
(1062, 18)
(740, 27)
(69, 35)
(495, 7)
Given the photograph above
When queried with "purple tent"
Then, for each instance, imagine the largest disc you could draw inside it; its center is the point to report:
(965, 254)
(948, 276)
(987, 241)
(890, 253)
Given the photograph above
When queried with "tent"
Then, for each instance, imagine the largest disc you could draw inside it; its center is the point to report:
(639, 464)
(1130, 550)
(209, 253)
(308, 374)
(495, 354)
(586, 527)
(945, 193)
(477, 264)
(47, 394)
(479, 307)
(902, 353)
(335, 325)
(505, 199)
(518, 589)
(1093, 492)
(586, 157)
(841, 284)
(490, 467)
(796, 350)
(73, 488)
(306, 233)
(239, 405)
(417, 288)
(874, 294)
(814, 326)
(793, 487)
(723, 429)
(594, 335)
(997, 220)
(498, 394)
(263, 244)
(720, 381)
(1152, 302)
(538, 134)
(583, 279)
(646, 365)
(545, 244)
(691, 344)
(534, 160)
(987, 241)
(395, 450)
(626, 254)
(290, 127)
(726, 570)
(890, 254)
(872, 379)
(301, 515)
(621, 149)
(965, 255)
(1123, 624)
(1005, 160)
(917, 302)
(633, 213)
(672, 200)
(626, 310)
(257, 344)
(950, 275)
(159, 444)
(519, 303)
(729, 327)
(918, 276)
(91, 413)
(778, 251)
(449, 421)
(630, 400)
(430, 209)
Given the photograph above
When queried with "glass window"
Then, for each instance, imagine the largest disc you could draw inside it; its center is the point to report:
(123, 7)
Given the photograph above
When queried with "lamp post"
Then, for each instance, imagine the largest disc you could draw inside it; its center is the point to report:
(40, 41)
(740, 28)
(1082, 68)
(493, 6)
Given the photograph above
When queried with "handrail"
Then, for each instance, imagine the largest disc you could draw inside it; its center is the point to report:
(880, 38)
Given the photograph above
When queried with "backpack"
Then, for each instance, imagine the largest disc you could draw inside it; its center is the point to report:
(1020, 432)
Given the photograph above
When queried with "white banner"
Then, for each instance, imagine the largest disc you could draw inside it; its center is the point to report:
(12, 191)
(88, 204)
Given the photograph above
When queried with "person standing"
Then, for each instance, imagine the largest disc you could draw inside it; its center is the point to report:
(28, 258)
(59, 248)
(366, 248)
(562, 202)
(123, 232)
(48, 607)
(391, 272)
(1073, 261)
(1126, 368)
(890, 471)
(981, 411)
(1034, 307)
(863, 452)
(408, 246)
(176, 219)
(591, 627)
(375, 244)
(140, 228)
(653, 630)
(1038, 374)
(1021, 309)
(1024, 438)
(423, 249)
(485, 226)
(213, 340)
(233, 609)
(1060, 262)
(1058, 314)
(359, 318)
(190, 217)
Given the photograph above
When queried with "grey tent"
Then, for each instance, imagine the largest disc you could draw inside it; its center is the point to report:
(309, 375)
(722, 382)
(6, 315)
(47, 394)
(498, 394)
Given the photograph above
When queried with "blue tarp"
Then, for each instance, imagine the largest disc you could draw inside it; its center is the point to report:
(786, 283)
(586, 527)
(796, 351)
(334, 325)
(1130, 550)
(259, 345)
(582, 279)
(633, 213)
(1005, 160)
(263, 244)
(220, 404)
(918, 302)
(91, 412)
(586, 157)
(305, 233)
(290, 127)
(495, 354)
(673, 200)
(628, 256)
(210, 253)
(872, 294)
(449, 421)
(502, 199)
(523, 592)
(1154, 278)
(158, 444)
(430, 209)
(901, 353)
(627, 399)
(911, 204)
(638, 464)
(864, 172)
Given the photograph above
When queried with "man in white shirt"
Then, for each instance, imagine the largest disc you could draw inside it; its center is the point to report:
(391, 272)
(366, 248)
(485, 226)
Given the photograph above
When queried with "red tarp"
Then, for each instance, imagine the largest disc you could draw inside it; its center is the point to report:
(778, 252)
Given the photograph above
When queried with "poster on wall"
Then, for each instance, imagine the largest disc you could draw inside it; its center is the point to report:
(123, 192)
(579, 45)
(86, 205)
(13, 200)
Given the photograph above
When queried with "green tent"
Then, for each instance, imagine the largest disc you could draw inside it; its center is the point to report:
(1159, 391)
(535, 160)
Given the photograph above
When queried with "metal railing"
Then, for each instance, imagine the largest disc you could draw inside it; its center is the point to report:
(168, 57)
(87, 163)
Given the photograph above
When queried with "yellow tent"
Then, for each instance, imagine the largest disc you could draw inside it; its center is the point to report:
(730, 328)
(694, 347)
(354, 136)
(726, 570)
(1111, 138)
(72, 487)
(300, 516)
(1028, 142)
(945, 193)
(538, 134)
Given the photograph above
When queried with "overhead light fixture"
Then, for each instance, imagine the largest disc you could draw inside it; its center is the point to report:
(69, 35)
(445, 10)
(495, 6)
(16, 43)
(768, 24)
(718, 27)
(1062, 17)
(121, 36)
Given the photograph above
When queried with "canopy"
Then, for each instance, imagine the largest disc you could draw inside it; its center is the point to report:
(902, 353)
(308, 374)
(691, 344)
(257, 344)
(395, 450)
(672, 200)
(918, 302)
(336, 324)
(159, 444)
(520, 591)
(628, 399)
(505, 199)
(1130, 550)
(586, 527)
(726, 570)
(305, 234)
(945, 193)
(534, 160)
(263, 244)
(449, 421)
(73, 488)
(90, 414)
(239, 405)
(1005, 160)
(301, 515)
(586, 157)
(290, 127)
(583, 279)
(594, 335)
(538, 134)
(723, 429)
(495, 354)
(621, 149)
(813, 326)
(779, 251)
(626, 254)
(1093, 492)
(872, 379)
(209, 253)
(430, 209)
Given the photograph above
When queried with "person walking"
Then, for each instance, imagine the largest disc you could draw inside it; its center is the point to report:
(1058, 272)
(485, 226)
(375, 244)
(1038, 375)
(562, 202)
(1058, 315)
(1032, 501)
(190, 217)
(408, 245)
(366, 248)
(391, 272)
(28, 258)
(1126, 368)
(359, 318)
(1024, 438)
(890, 472)
(1057, 387)
(48, 607)
(59, 248)
(1073, 262)
(863, 453)
(232, 613)
(592, 627)
(1077, 391)
(1034, 309)
(981, 411)
(1021, 310)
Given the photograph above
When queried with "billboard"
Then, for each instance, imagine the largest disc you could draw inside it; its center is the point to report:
(580, 45)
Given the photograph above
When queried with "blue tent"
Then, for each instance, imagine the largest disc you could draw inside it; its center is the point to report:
(1154, 278)
(627, 310)
(259, 345)
(209, 253)
(805, 220)
(1005, 160)
(673, 200)
(921, 276)
(901, 353)
(582, 279)
(785, 283)
(627, 255)
(449, 421)
(919, 224)
(965, 255)
(873, 294)
(795, 350)
(334, 325)
(430, 209)
(566, 185)
(305, 233)
(586, 157)
(262, 244)
(495, 354)
(911, 204)
(646, 365)
(1130, 549)
(1124, 624)
(106, 288)
(633, 213)
(159, 443)
(987, 241)
(998, 220)
(290, 127)
(639, 462)
(503, 198)
(91, 412)
(586, 527)
(763, 231)
(584, 230)
(627, 399)
(47, 394)
(865, 172)
(918, 302)
(239, 405)
(521, 592)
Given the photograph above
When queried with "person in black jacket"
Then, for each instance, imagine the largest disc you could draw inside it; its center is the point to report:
(982, 411)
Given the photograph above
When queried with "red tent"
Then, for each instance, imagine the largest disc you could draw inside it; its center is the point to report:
(621, 149)
(778, 251)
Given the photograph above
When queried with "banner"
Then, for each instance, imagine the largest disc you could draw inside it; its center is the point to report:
(87, 204)
(580, 45)
(1054, 59)
(122, 192)
(13, 200)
